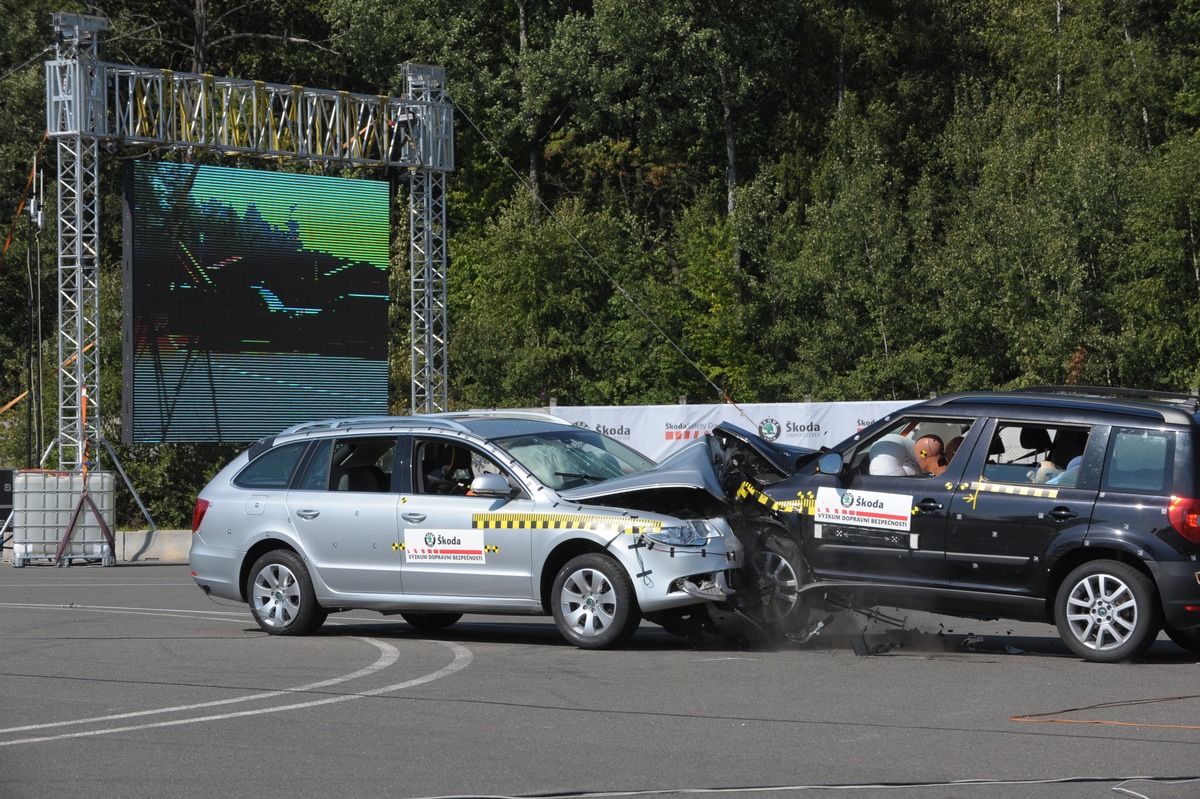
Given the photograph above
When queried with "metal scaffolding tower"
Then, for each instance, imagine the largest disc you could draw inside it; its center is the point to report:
(90, 102)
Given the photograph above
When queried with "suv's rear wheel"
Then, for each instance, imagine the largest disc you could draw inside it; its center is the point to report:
(1107, 611)
(280, 594)
(593, 602)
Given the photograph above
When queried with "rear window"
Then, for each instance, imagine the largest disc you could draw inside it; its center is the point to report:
(1139, 461)
(1035, 452)
(272, 469)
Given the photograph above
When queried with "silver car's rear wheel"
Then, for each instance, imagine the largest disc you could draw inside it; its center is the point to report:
(593, 602)
(281, 597)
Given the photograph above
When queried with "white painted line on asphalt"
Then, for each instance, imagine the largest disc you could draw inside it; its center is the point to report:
(123, 610)
(389, 655)
(138, 584)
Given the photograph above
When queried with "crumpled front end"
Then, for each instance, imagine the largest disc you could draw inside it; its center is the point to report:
(694, 561)
(718, 482)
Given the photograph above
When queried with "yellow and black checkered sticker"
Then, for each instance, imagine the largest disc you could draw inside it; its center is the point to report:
(1016, 489)
(562, 521)
(804, 504)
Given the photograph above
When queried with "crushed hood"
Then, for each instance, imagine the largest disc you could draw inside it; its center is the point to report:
(691, 467)
(716, 464)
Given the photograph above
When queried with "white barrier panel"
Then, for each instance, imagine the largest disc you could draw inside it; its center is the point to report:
(658, 431)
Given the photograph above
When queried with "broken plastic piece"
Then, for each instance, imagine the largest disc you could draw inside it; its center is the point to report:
(971, 641)
(811, 631)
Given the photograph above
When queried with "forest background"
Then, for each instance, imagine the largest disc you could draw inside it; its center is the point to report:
(811, 198)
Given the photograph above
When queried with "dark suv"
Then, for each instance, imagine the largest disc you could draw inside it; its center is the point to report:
(1070, 505)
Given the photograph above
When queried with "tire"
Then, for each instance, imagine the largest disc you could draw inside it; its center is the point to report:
(431, 622)
(772, 598)
(1188, 640)
(280, 594)
(593, 602)
(1107, 611)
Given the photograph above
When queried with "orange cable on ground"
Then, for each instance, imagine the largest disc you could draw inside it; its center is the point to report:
(1040, 717)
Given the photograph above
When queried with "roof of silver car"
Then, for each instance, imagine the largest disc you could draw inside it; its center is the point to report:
(450, 420)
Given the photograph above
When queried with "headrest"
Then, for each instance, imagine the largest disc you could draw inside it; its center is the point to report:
(1035, 438)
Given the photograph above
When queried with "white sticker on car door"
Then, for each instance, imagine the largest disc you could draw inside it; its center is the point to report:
(864, 508)
(459, 546)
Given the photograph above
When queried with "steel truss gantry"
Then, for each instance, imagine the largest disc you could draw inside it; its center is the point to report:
(90, 102)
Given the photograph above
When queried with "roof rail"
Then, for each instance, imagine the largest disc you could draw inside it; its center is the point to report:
(1191, 401)
(510, 413)
(431, 420)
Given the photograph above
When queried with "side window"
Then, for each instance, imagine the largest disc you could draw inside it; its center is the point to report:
(316, 473)
(1139, 461)
(447, 468)
(911, 448)
(272, 469)
(1028, 452)
(362, 463)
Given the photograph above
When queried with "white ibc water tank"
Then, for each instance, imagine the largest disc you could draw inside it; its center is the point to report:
(43, 503)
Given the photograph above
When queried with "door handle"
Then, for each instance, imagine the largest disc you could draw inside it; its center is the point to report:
(1061, 514)
(414, 518)
(929, 505)
(308, 514)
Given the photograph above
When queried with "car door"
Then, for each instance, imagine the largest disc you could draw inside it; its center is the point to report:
(343, 510)
(455, 544)
(1022, 496)
(878, 526)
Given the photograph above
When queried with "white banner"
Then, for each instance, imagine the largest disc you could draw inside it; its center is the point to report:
(658, 431)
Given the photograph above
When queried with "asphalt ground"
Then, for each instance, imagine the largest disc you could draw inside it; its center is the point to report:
(126, 681)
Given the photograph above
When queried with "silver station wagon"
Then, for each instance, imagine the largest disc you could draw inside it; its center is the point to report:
(439, 515)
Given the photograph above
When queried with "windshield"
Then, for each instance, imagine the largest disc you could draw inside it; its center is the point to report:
(573, 457)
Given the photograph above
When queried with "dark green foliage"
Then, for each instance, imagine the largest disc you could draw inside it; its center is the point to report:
(769, 200)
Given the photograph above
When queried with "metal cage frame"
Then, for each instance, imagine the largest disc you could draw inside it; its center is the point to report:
(90, 103)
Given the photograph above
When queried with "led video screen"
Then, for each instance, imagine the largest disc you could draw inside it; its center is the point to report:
(253, 300)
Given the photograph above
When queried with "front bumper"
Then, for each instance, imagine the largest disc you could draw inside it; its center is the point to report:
(669, 577)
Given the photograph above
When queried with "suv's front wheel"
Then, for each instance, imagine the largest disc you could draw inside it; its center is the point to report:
(773, 598)
(1107, 611)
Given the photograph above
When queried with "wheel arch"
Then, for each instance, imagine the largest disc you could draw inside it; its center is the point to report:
(558, 558)
(255, 552)
(1071, 560)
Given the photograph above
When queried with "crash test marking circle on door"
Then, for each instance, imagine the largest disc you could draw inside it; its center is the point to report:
(387, 657)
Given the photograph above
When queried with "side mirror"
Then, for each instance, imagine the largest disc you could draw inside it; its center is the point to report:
(492, 485)
(830, 463)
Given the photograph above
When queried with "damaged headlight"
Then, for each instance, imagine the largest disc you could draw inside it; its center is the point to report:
(688, 534)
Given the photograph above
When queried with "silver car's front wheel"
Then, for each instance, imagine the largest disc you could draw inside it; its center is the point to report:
(1106, 611)
(593, 602)
(281, 596)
